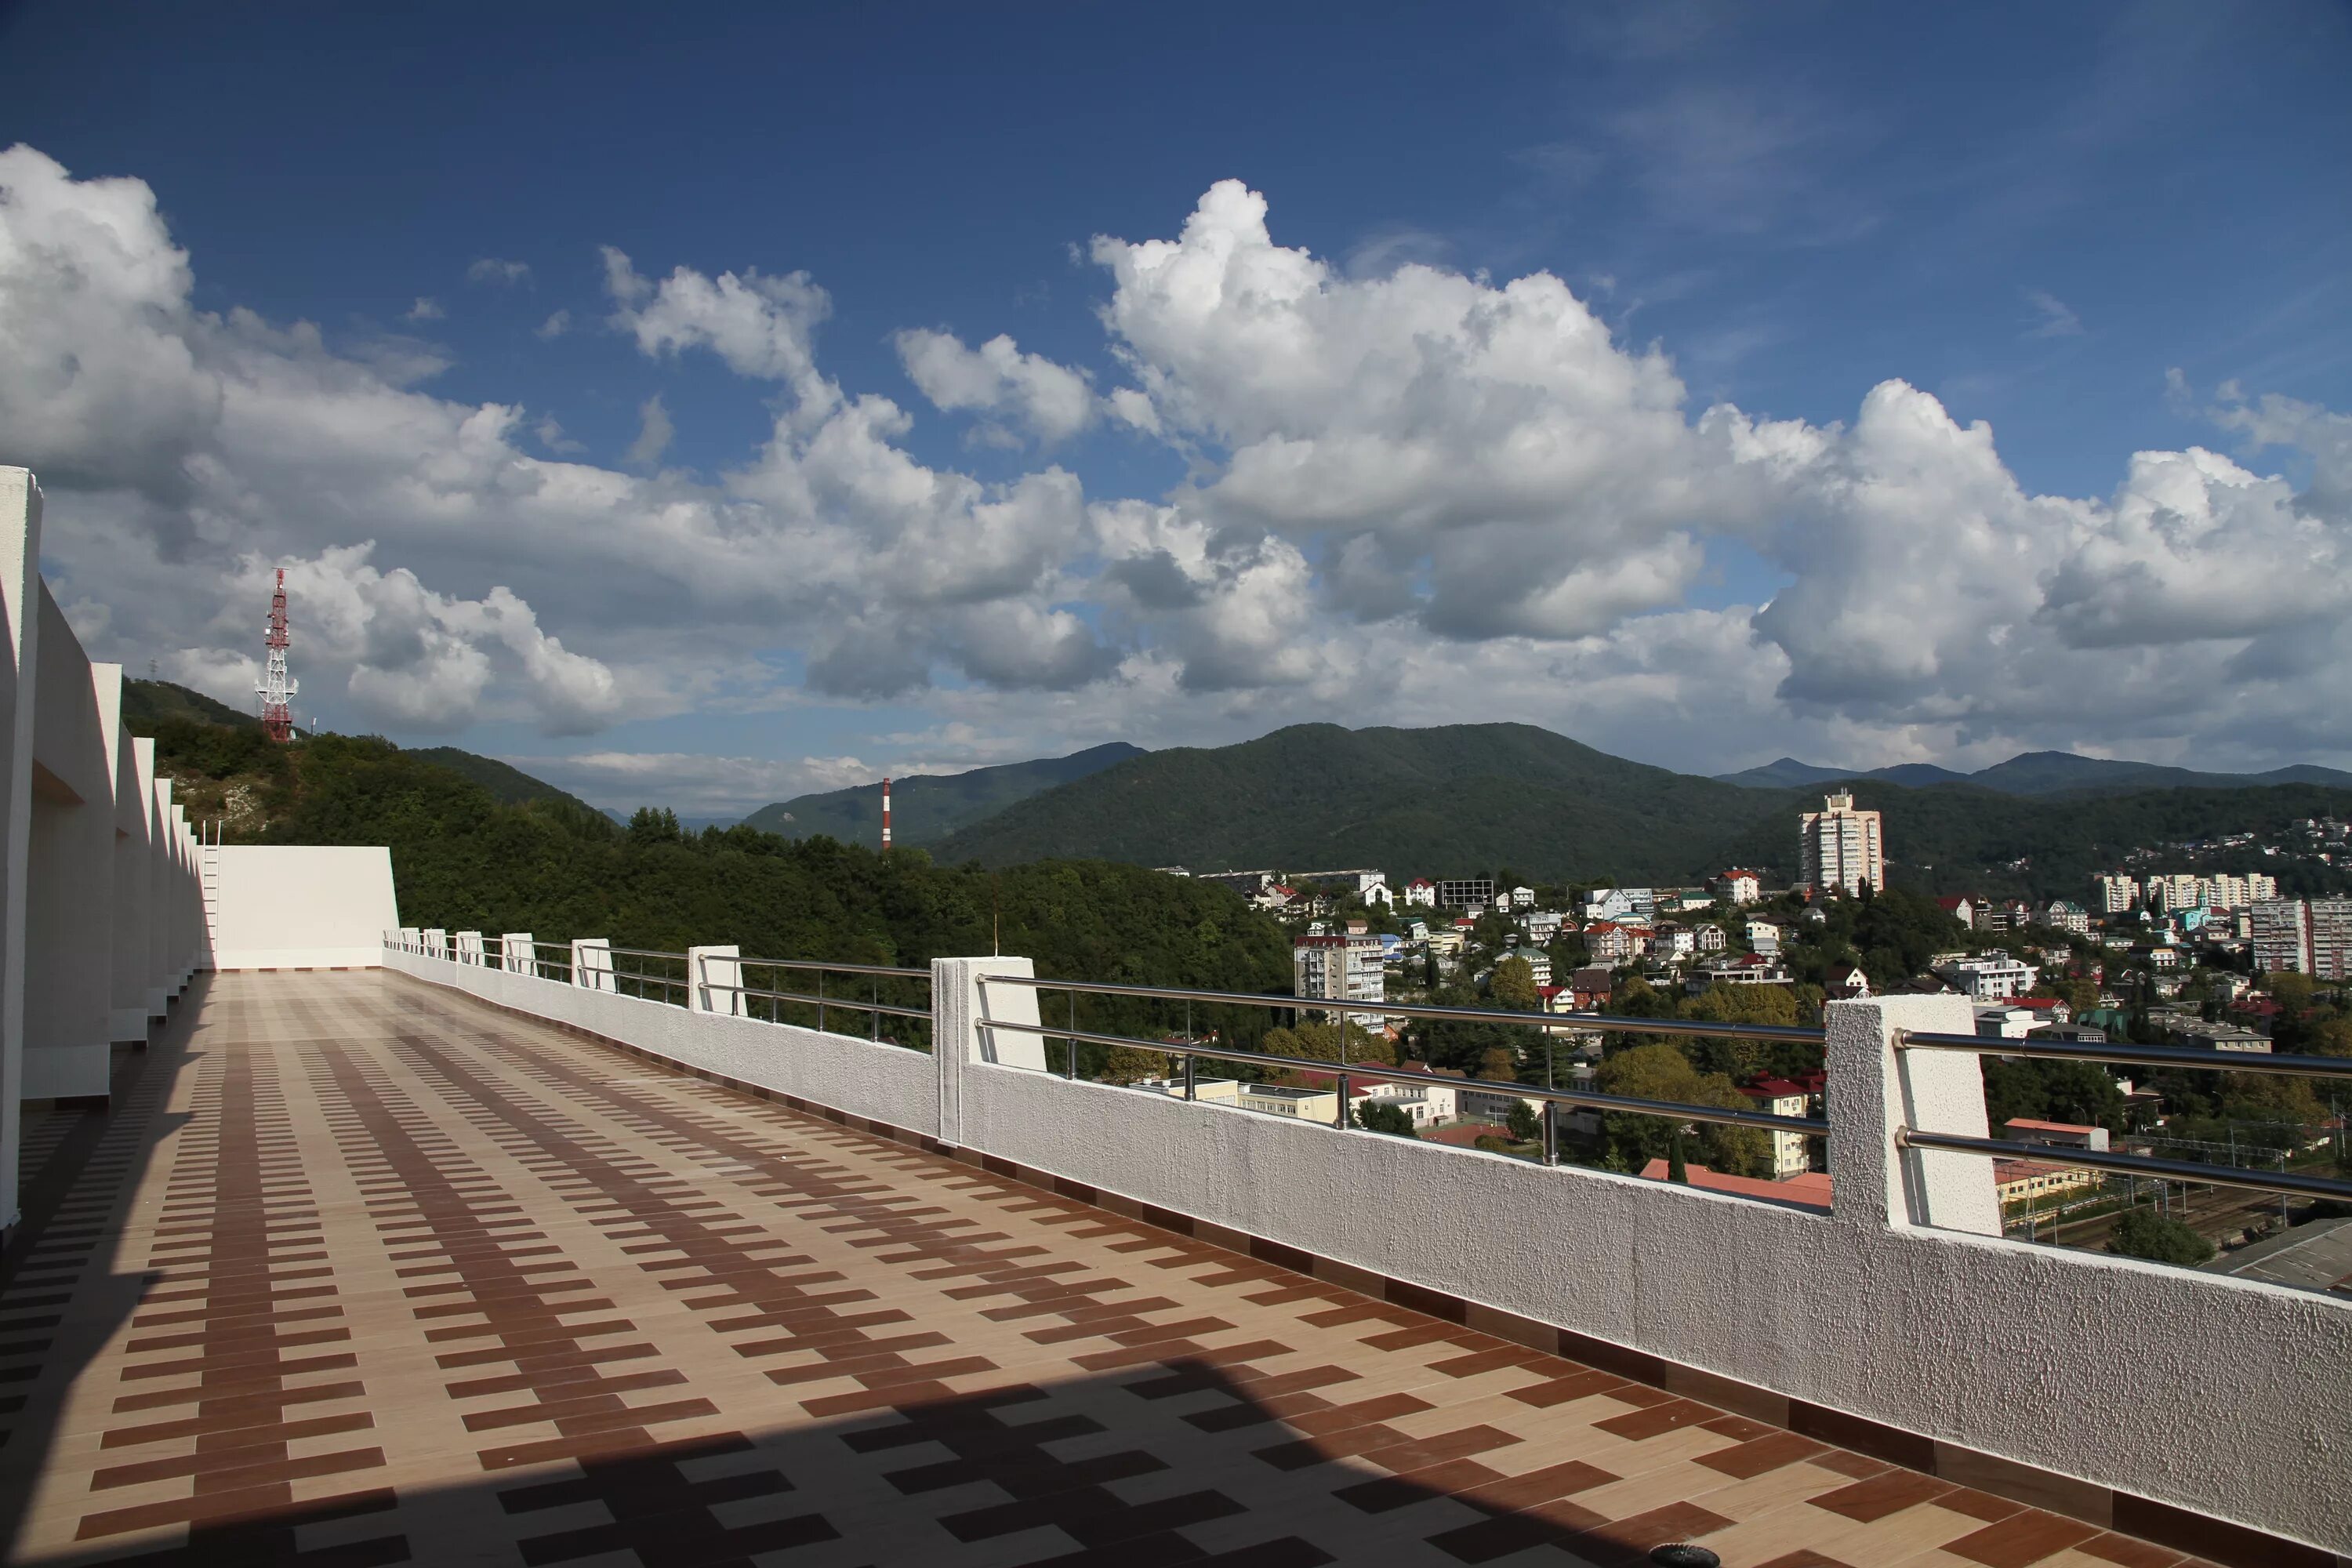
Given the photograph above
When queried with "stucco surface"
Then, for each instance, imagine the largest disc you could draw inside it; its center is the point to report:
(303, 906)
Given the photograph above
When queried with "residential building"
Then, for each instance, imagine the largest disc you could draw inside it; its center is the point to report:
(1429, 1103)
(1588, 988)
(1543, 927)
(2225, 1037)
(2114, 894)
(1416, 931)
(1846, 982)
(2061, 914)
(1780, 1097)
(1341, 968)
(1491, 1105)
(1523, 897)
(2066, 1134)
(1377, 895)
(1614, 943)
(1739, 887)
(1608, 904)
(1421, 893)
(1962, 909)
(1990, 977)
(1462, 892)
(2176, 891)
(2331, 938)
(2005, 1021)
(2016, 1180)
(1764, 937)
(1279, 1099)
(2282, 935)
(1675, 942)
(1841, 848)
(1207, 1090)
(1747, 969)
(1712, 940)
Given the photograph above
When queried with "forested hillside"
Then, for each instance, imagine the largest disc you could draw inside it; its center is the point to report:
(1473, 798)
(926, 809)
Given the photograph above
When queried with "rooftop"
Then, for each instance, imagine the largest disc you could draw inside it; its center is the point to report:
(401, 1278)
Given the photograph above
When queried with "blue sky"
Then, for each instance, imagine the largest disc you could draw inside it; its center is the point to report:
(2102, 229)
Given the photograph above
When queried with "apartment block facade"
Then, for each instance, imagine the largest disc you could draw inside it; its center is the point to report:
(1841, 848)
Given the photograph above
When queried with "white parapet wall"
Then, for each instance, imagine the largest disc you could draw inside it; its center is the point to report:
(862, 1077)
(303, 906)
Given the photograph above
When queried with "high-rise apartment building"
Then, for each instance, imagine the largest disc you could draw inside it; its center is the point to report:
(1341, 969)
(2282, 934)
(1842, 849)
(2115, 895)
(2330, 923)
(2181, 890)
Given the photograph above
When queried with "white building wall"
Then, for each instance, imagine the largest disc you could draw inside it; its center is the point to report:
(20, 583)
(69, 876)
(284, 906)
(127, 972)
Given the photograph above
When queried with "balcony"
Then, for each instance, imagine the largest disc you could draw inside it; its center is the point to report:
(391, 1244)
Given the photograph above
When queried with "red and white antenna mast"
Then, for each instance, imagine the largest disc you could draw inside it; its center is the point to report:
(885, 813)
(276, 688)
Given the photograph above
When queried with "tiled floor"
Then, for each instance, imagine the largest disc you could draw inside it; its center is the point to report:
(358, 1273)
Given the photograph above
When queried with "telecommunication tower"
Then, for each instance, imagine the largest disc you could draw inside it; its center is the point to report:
(276, 688)
(885, 813)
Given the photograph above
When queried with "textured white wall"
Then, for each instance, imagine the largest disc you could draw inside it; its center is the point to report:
(69, 874)
(886, 1083)
(304, 906)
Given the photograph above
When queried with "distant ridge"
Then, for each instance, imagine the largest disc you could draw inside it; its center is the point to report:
(926, 807)
(2037, 773)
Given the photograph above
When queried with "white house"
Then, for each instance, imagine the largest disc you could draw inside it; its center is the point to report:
(1739, 887)
(1421, 893)
(1764, 937)
(1523, 897)
(1990, 977)
(1378, 894)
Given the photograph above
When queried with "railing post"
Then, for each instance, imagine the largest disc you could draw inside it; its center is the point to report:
(592, 964)
(437, 943)
(412, 941)
(1874, 1090)
(961, 1009)
(518, 954)
(468, 948)
(708, 967)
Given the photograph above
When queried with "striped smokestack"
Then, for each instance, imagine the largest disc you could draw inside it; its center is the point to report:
(885, 813)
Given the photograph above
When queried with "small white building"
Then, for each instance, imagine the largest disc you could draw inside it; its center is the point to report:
(1739, 887)
(1421, 893)
(1523, 897)
(1764, 937)
(1990, 977)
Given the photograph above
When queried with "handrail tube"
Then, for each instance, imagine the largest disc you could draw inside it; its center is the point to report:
(844, 968)
(852, 1004)
(2131, 1164)
(2143, 1056)
(645, 953)
(1594, 1098)
(1423, 1010)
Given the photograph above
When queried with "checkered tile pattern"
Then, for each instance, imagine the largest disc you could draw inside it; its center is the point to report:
(360, 1272)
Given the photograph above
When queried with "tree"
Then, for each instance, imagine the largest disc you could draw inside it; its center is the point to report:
(1127, 1063)
(2333, 1036)
(1662, 1072)
(1676, 1169)
(650, 824)
(1380, 1116)
(2144, 1233)
(1513, 985)
(1525, 1124)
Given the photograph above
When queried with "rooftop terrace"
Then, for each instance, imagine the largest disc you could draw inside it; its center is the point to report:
(360, 1271)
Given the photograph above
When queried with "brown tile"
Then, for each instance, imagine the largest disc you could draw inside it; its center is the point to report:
(1890, 1492)
(1765, 1454)
(2024, 1539)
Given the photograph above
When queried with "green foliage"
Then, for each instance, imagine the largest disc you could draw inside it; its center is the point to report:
(1513, 987)
(2081, 1093)
(1662, 1072)
(148, 704)
(1526, 1125)
(508, 784)
(2144, 1233)
(1445, 800)
(1380, 1116)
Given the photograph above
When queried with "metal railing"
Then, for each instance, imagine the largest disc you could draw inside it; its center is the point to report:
(677, 988)
(2123, 1052)
(1346, 1072)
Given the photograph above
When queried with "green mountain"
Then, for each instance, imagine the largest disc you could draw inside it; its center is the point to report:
(510, 784)
(1412, 802)
(147, 704)
(926, 807)
(1475, 798)
(2035, 773)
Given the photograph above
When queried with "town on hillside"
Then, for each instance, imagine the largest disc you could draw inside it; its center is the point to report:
(2214, 959)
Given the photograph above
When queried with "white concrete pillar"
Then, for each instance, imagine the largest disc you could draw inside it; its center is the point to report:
(437, 943)
(134, 877)
(412, 940)
(127, 911)
(962, 1009)
(69, 890)
(517, 953)
(709, 972)
(160, 891)
(184, 881)
(469, 947)
(592, 964)
(1876, 1089)
(20, 576)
